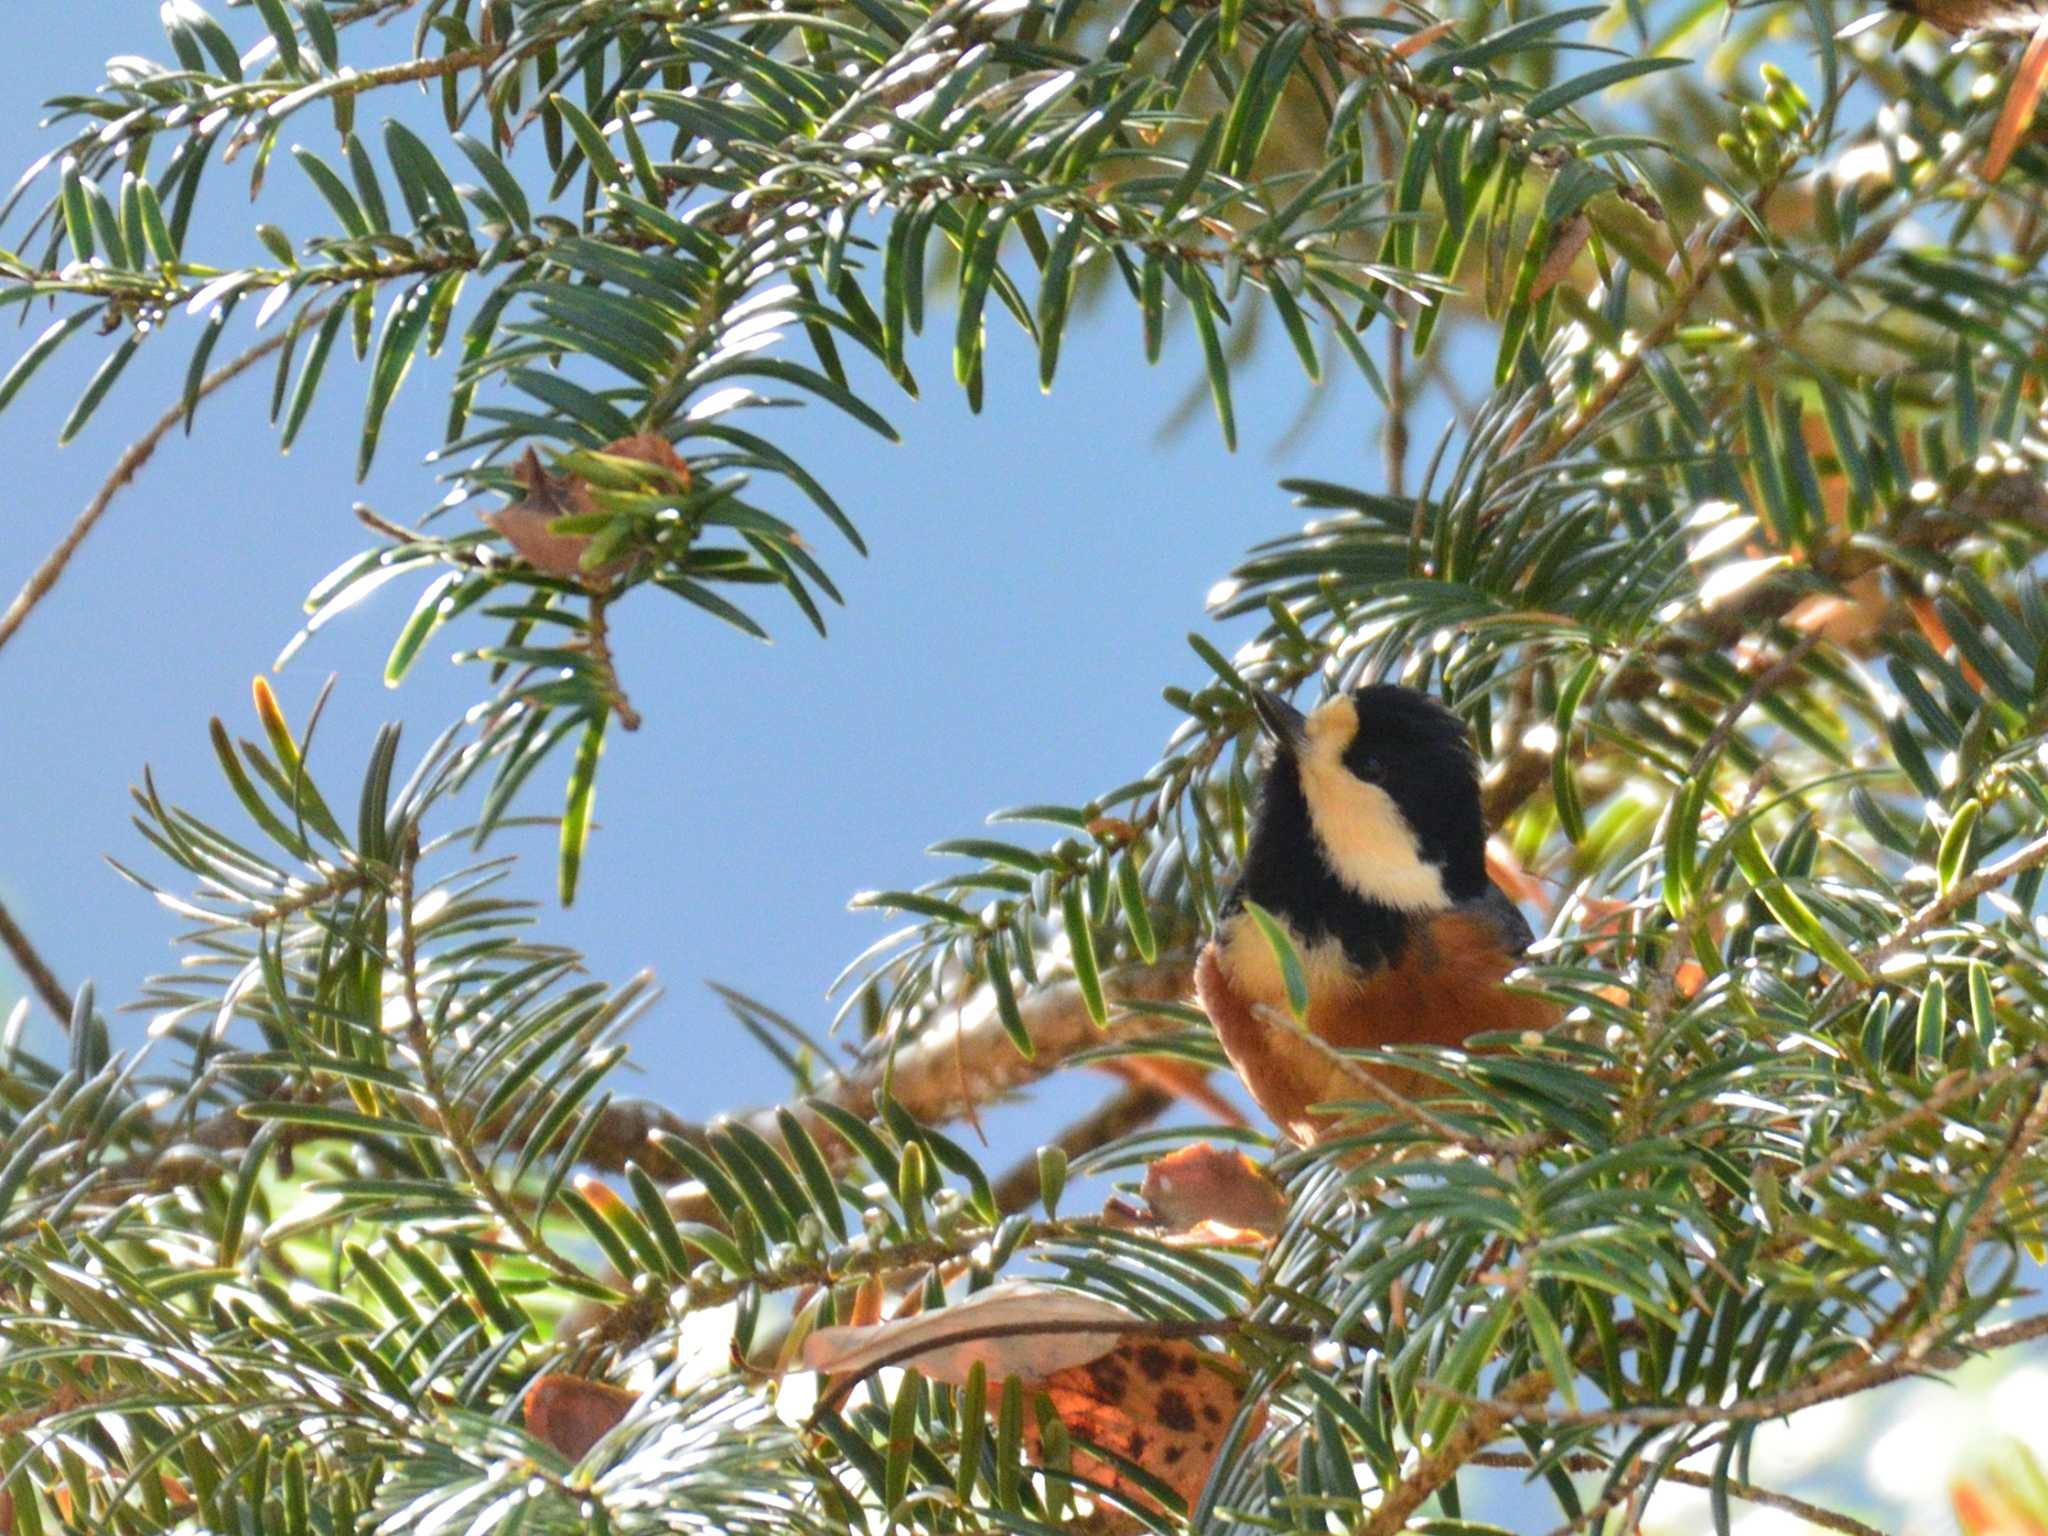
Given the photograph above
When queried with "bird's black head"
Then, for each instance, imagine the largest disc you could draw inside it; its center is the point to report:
(1381, 785)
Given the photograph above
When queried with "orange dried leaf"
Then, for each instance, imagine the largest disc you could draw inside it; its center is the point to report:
(1013, 1329)
(2021, 98)
(1415, 42)
(1937, 635)
(1505, 871)
(1202, 1184)
(1161, 1403)
(1847, 618)
(1989, 1508)
(571, 1414)
(1601, 920)
(867, 1303)
(267, 709)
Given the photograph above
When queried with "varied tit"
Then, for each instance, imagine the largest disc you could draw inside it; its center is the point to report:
(1369, 846)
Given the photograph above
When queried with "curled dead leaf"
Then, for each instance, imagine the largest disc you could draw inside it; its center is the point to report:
(528, 524)
(571, 1414)
(1160, 1403)
(1013, 1329)
(652, 448)
(1204, 1194)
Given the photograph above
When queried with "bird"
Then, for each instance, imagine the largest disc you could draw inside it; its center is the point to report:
(1368, 848)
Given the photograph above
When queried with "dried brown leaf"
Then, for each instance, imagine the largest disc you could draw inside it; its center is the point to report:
(528, 524)
(572, 1414)
(1416, 41)
(2021, 98)
(999, 1328)
(1203, 1185)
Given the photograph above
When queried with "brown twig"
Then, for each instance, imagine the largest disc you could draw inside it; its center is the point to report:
(1986, 880)
(1957, 1085)
(1749, 1493)
(924, 1080)
(925, 1083)
(1846, 1381)
(1439, 1466)
(597, 640)
(125, 470)
(31, 966)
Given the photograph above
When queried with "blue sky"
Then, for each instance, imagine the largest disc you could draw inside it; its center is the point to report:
(1033, 572)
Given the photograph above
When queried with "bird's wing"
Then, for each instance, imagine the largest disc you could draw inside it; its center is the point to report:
(1515, 933)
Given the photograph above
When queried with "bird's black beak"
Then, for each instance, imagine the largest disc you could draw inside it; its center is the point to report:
(1280, 720)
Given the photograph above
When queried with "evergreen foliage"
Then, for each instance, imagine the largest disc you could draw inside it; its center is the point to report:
(1730, 556)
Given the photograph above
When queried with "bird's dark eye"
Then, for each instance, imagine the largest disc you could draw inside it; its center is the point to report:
(1367, 766)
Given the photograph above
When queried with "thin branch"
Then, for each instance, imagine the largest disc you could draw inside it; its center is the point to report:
(1986, 880)
(2023, 1136)
(455, 1132)
(598, 641)
(1134, 1106)
(927, 1079)
(1749, 1493)
(927, 1082)
(31, 966)
(1957, 1085)
(125, 470)
(1474, 1432)
(1844, 1382)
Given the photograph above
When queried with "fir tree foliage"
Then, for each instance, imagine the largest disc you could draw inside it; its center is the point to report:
(1729, 556)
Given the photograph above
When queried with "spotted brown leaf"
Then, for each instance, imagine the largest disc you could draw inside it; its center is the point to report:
(1162, 1404)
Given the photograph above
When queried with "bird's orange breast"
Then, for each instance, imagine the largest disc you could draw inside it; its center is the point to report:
(1444, 989)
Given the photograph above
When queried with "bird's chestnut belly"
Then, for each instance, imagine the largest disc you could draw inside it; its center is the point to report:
(1443, 988)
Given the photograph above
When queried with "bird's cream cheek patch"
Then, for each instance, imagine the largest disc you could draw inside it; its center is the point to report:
(1364, 837)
